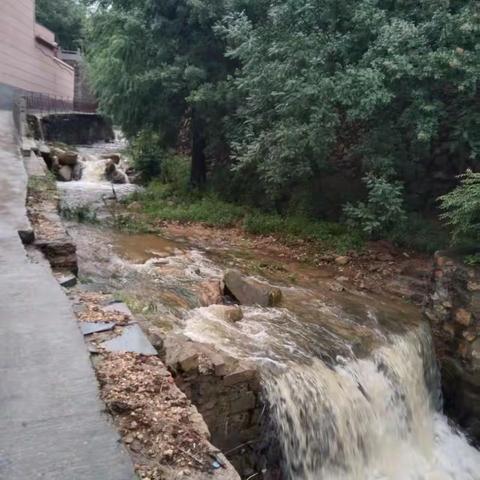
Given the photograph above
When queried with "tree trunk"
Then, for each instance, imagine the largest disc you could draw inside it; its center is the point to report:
(198, 176)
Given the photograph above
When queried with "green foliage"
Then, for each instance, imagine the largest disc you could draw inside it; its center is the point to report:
(323, 81)
(279, 94)
(383, 210)
(147, 150)
(420, 234)
(473, 260)
(80, 214)
(165, 201)
(153, 62)
(328, 234)
(66, 18)
(462, 209)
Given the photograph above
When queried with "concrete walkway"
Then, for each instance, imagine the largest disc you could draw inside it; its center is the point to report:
(51, 421)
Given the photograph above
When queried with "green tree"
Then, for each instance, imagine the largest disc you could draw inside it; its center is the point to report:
(324, 83)
(155, 64)
(65, 18)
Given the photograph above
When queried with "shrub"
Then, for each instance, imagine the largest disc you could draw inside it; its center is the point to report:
(420, 233)
(383, 210)
(462, 209)
(147, 150)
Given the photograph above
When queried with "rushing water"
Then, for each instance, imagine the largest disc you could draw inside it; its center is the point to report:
(93, 190)
(351, 380)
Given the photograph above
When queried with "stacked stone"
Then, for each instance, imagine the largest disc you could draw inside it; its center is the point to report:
(453, 307)
(226, 392)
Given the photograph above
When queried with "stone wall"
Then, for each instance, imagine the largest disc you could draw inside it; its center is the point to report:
(227, 394)
(76, 128)
(453, 308)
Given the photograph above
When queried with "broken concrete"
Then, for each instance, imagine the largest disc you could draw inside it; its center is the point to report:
(131, 340)
(249, 291)
(91, 328)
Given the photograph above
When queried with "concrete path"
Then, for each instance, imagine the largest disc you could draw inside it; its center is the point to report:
(51, 421)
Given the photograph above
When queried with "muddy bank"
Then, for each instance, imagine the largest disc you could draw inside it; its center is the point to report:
(379, 268)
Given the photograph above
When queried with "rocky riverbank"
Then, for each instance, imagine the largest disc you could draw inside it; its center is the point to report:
(453, 308)
(163, 431)
(218, 313)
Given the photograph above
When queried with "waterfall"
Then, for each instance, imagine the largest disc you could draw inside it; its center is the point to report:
(376, 418)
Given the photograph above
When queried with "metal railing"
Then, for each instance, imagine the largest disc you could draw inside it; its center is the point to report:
(45, 104)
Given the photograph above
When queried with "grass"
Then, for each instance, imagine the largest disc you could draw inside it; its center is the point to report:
(169, 203)
(80, 214)
(170, 199)
(44, 186)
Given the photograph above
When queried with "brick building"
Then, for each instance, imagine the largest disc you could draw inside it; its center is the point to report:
(29, 55)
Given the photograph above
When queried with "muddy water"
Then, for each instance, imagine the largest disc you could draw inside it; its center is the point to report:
(351, 379)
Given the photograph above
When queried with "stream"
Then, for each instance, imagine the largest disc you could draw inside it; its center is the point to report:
(351, 379)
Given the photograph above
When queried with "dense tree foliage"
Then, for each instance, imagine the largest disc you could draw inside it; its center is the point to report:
(158, 63)
(283, 94)
(390, 85)
(65, 18)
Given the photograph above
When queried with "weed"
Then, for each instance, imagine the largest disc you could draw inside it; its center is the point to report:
(80, 214)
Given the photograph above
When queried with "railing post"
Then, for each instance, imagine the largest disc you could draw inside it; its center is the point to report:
(22, 116)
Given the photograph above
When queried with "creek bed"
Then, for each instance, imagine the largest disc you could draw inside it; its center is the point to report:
(349, 381)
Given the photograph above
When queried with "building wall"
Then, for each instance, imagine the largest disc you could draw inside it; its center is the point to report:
(83, 90)
(27, 54)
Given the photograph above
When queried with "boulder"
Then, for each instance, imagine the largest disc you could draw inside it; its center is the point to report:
(249, 291)
(228, 313)
(55, 166)
(77, 171)
(65, 173)
(65, 157)
(113, 174)
(211, 293)
(115, 157)
(44, 149)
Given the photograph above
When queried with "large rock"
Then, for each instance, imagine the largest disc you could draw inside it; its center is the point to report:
(115, 157)
(453, 309)
(228, 313)
(211, 293)
(65, 173)
(65, 157)
(114, 174)
(249, 291)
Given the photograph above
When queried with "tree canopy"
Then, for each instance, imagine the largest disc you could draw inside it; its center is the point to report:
(283, 94)
(65, 18)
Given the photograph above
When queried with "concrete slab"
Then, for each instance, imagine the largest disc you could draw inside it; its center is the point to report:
(66, 279)
(132, 340)
(89, 328)
(52, 422)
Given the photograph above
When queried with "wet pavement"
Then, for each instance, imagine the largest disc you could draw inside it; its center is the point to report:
(52, 424)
